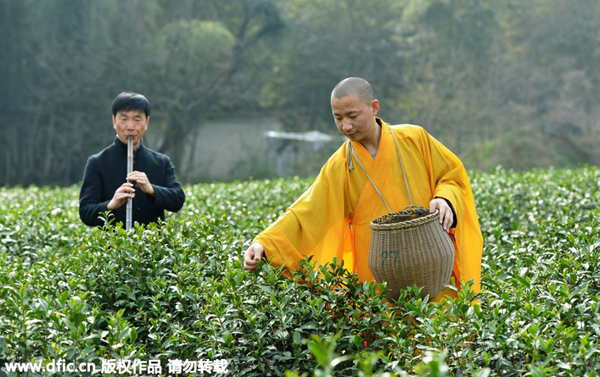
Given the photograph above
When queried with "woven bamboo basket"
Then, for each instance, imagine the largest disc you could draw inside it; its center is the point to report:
(411, 247)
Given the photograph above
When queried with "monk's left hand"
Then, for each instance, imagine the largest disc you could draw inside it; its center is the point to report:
(446, 216)
(142, 181)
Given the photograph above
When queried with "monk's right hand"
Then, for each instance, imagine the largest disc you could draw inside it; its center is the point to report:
(254, 253)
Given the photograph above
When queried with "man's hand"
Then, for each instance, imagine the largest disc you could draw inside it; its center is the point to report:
(254, 253)
(446, 216)
(120, 196)
(142, 181)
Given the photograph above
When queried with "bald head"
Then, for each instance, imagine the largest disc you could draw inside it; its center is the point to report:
(354, 85)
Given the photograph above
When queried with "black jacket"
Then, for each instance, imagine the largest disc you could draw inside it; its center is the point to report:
(106, 171)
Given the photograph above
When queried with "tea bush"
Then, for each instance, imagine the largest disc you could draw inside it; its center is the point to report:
(179, 291)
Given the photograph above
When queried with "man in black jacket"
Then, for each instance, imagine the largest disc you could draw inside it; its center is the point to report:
(152, 183)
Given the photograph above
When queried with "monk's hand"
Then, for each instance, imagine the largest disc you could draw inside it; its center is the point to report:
(253, 254)
(124, 192)
(142, 181)
(446, 216)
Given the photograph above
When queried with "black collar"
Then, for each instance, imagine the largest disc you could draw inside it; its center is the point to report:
(123, 147)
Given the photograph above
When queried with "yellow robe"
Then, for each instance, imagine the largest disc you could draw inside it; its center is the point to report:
(331, 219)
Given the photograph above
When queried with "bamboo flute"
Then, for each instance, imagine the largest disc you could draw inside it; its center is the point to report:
(129, 208)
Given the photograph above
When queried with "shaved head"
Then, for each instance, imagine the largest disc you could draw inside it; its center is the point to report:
(354, 85)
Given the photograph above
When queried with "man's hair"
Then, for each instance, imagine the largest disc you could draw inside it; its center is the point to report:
(130, 101)
(354, 85)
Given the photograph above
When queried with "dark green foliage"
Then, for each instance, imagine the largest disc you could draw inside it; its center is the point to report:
(179, 291)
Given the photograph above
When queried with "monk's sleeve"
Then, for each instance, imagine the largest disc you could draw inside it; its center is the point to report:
(315, 225)
(450, 181)
(449, 178)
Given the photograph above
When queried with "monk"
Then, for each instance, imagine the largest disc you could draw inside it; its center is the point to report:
(331, 219)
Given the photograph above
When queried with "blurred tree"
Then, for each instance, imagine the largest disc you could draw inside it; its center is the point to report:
(57, 71)
(203, 68)
(563, 43)
(191, 59)
(449, 56)
(467, 70)
(12, 66)
(328, 41)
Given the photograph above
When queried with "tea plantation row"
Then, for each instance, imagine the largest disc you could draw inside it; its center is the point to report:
(179, 292)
